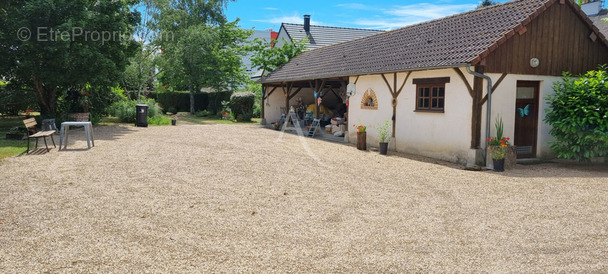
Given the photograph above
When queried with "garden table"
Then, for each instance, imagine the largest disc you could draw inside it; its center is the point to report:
(88, 132)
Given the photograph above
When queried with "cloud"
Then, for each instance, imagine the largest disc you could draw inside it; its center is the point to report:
(270, 8)
(354, 6)
(429, 11)
(293, 19)
(404, 15)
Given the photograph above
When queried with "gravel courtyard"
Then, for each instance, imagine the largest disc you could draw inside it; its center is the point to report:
(236, 198)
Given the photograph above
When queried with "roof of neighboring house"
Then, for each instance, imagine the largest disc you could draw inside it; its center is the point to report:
(601, 25)
(320, 36)
(447, 42)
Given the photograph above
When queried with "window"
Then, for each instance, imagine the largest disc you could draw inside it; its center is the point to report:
(430, 94)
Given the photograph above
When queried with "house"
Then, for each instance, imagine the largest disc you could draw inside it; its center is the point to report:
(319, 36)
(418, 77)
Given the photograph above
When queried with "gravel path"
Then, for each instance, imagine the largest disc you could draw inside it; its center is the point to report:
(226, 198)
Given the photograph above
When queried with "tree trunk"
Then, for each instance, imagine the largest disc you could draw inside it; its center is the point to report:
(191, 99)
(47, 98)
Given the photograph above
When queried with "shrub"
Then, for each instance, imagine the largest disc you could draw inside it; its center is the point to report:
(125, 110)
(241, 104)
(203, 113)
(257, 111)
(159, 120)
(578, 115)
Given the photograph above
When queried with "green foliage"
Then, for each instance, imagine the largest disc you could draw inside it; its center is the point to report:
(203, 113)
(159, 121)
(241, 104)
(487, 3)
(14, 99)
(50, 66)
(125, 110)
(498, 124)
(174, 102)
(384, 131)
(578, 115)
(206, 50)
(270, 58)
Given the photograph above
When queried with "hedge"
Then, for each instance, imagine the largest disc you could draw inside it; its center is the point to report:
(180, 101)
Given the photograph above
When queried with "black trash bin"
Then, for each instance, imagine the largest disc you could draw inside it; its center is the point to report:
(141, 115)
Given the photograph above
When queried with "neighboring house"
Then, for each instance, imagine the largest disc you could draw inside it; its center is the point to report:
(266, 35)
(319, 36)
(417, 76)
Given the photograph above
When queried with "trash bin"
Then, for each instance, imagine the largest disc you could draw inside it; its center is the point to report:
(141, 115)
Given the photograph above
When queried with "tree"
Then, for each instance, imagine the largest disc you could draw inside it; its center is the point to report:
(52, 45)
(268, 58)
(578, 115)
(206, 51)
(486, 3)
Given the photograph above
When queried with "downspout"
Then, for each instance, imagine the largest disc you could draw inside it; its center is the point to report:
(488, 108)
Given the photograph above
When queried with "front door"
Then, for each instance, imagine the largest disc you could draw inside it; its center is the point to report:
(526, 119)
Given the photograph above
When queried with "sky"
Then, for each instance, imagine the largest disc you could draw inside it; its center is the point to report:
(365, 14)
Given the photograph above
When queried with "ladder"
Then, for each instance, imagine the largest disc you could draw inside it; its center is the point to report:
(313, 127)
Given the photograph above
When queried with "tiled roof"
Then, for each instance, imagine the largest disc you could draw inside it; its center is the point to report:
(447, 42)
(601, 25)
(320, 36)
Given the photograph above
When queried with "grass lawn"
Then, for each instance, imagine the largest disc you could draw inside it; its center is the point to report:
(10, 147)
(185, 116)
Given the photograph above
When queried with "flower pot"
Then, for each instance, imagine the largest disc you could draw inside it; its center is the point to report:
(14, 136)
(361, 140)
(499, 165)
(383, 148)
(79, 117)
(173, 122)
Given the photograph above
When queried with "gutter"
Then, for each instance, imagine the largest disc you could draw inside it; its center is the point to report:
(488, 108)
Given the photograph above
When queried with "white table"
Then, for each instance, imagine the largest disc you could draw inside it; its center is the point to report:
(65, 129)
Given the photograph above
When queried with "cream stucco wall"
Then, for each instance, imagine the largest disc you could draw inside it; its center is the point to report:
(444, 135)
(503, 104)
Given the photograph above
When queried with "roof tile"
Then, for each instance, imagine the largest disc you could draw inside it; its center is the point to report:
(445, 42)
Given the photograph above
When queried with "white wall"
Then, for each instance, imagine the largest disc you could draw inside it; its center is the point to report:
(439, 135)
(503, 104)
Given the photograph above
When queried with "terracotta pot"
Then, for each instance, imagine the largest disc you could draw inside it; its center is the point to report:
(361, 140)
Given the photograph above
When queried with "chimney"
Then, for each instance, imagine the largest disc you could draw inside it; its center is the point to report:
(307, 23)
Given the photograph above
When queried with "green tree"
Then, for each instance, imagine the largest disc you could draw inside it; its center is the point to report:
(486, 3)
(206, 50)
(268, 58)
(72, 43)
(578, 115)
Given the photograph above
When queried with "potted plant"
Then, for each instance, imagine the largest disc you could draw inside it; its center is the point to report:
(173, 119)
(498, 149)
(361, 137)
(498, 146)
(384, 136)
(277, 125)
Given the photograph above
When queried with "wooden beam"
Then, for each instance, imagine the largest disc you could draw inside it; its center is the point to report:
(466, 82)
(502, 77)
(387, 84)
(295, 93)
(403, 84)
(476, 109)
(269, 93)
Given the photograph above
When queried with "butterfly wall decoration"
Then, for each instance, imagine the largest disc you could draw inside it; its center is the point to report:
(523, 112)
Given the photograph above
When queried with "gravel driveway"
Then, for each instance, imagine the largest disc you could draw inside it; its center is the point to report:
(235, 198)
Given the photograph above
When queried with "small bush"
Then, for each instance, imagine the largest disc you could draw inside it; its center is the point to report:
(203, 113)
(578, 115)
(257, 111)
(126, 110)
(159, 120)
(241, 104)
